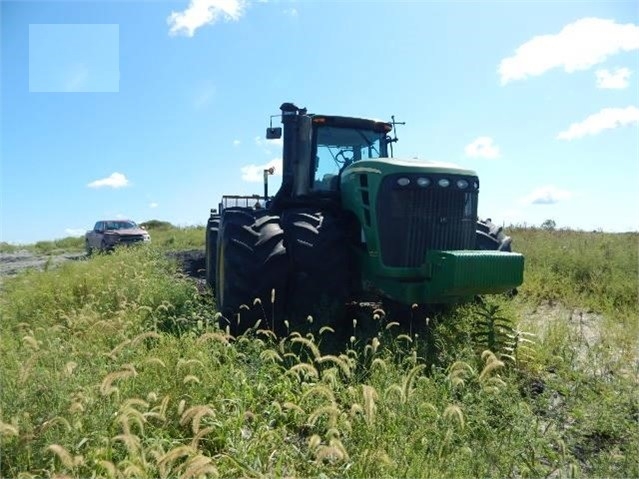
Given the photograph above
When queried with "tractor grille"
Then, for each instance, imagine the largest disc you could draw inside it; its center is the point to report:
(413, 219)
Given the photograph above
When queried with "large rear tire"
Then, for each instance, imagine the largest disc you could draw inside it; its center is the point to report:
(489, 236)
(251, 264)
(319, 282)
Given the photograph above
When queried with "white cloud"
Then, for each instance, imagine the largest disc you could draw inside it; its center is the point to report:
(255, 173)
(236, 142)
(291, 12)
(116, 180)
(203, 12)
(606, 119)
(482, 147)
(546, 195)
(616, 80)
(75, 231)
(578, 46)
(267, 145)
(153, 205)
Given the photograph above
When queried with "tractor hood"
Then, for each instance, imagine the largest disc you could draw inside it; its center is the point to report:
(397, 165)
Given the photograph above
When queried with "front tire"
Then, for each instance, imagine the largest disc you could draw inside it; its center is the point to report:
(489, 236)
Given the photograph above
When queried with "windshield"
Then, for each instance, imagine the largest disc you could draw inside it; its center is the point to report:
(339, 147)
(120, 225)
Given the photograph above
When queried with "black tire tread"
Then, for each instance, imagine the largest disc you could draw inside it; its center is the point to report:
(320, 264)
(490, 236)
(254, 265)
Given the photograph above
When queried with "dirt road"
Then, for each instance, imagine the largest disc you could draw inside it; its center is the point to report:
(191, 261)
(13, 263)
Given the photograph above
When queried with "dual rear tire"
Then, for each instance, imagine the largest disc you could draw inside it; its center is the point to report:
(273, 268)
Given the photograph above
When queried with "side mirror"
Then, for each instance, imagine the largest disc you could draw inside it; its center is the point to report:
(273, 133)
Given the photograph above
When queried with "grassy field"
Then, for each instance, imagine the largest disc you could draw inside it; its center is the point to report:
(163, 234)
(114, 367)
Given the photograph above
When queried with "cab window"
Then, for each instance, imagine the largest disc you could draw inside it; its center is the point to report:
(336, 148)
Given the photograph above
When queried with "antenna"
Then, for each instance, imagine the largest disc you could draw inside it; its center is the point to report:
(394, 139)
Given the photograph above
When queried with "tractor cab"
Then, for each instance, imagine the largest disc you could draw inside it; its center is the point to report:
(317, 149)
(337, 142)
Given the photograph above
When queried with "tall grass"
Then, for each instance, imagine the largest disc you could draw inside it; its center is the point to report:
(593, 270)
(68, 244)
(115, 367)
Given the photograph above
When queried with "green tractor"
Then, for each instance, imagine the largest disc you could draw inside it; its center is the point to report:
(350, 221)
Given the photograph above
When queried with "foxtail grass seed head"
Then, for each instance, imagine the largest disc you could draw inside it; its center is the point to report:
(309, 319)
(375, 344)
(8, 430)
(63, 455)
(314, 441)
(70, 367)
(273, 296)
(257, 301)
(454, 413)
(191, 378)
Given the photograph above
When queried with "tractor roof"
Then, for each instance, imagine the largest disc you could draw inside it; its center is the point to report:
(353, 122)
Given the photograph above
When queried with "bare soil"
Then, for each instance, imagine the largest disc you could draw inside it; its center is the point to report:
(12, 263)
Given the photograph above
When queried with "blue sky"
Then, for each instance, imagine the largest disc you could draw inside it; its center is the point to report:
(153, 110)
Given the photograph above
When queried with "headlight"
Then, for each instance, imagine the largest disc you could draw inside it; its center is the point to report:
(461, 184)
(403, 181)
(423, 182)
(475, 185)
(443, 182)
